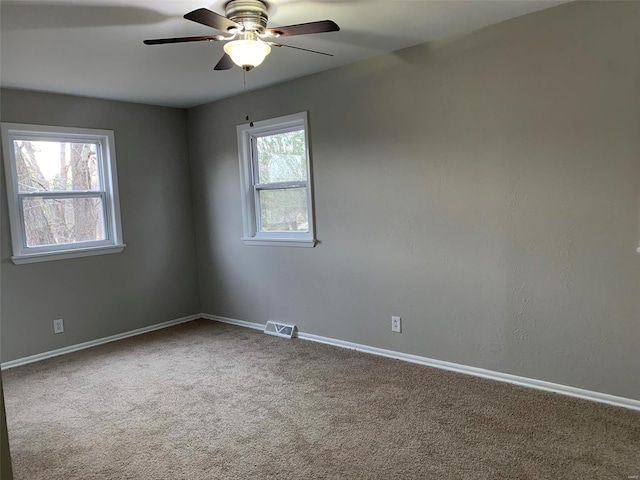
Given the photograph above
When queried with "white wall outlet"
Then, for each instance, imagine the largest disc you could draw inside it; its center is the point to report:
(396, 324)
(58, 326)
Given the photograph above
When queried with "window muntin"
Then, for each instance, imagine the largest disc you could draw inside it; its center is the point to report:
(275, 177)
(62, 192)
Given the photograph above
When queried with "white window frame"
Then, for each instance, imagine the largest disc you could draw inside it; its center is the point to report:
(247, 138)
(108, 192)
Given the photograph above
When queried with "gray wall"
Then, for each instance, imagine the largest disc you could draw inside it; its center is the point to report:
(486, 189)
(154, 279)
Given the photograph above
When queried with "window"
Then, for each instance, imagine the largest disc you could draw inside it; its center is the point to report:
(275, 178)
(62, 192)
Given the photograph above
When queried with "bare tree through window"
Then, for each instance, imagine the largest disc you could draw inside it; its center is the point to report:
(282, 158)
(72, 171)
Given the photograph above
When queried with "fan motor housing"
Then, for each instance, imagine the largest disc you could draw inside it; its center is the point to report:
(251, 14)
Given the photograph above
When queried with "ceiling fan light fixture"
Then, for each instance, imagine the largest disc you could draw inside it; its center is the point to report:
(247, 53)
(246, 22)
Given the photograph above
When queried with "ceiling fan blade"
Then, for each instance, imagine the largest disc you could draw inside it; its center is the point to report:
(298, 48)
(225, 63)
(212, 19)
(160, 41)
(303, 29)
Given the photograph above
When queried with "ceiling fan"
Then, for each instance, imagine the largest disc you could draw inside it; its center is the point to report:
(249, 39)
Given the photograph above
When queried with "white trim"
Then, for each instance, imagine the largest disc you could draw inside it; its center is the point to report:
(108, 192)
(94, 343)
(65, 254)
(233, 321)
(616, 401)
(280, 242)
(247, 134)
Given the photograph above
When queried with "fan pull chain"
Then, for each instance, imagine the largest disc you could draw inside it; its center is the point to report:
(248, 92)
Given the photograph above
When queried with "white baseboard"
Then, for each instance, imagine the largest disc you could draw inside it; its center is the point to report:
(430, 362)
(455, 367)
(233, 321)
(94, 343)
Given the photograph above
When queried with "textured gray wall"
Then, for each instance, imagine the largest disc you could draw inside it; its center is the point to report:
(486, 189)
(154, 279)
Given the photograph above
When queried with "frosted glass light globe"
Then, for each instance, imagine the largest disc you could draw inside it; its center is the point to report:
(247, 53)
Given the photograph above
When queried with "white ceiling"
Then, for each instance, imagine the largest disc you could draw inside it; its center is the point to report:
(94, 47)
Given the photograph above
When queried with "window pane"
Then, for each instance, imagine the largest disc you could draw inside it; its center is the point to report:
(51, 221)
(45, 166)
(284, 210)
(282, 157)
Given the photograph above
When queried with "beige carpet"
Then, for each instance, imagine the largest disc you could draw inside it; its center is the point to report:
(205, 400)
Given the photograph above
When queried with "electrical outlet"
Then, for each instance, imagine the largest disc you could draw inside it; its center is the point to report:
(396, 324)
(58, 326)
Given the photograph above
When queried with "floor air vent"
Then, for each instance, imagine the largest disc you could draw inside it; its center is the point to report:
(280, 329)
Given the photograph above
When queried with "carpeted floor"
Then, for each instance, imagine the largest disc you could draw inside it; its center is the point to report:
(204, 400)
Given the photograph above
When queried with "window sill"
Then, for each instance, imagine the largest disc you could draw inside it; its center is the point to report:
(280, 242)
(66, 254)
